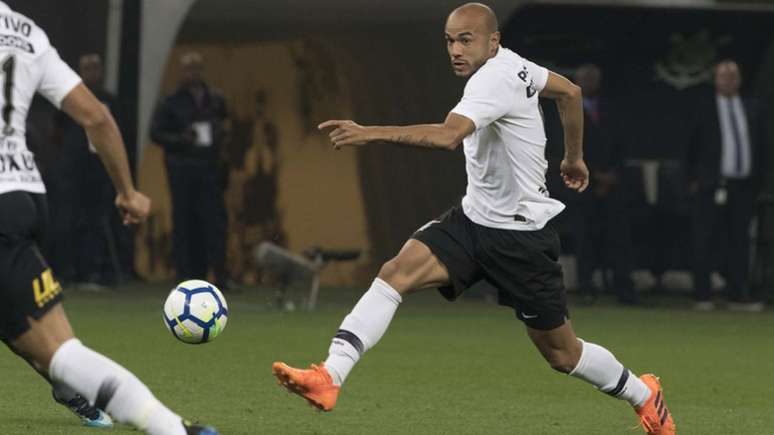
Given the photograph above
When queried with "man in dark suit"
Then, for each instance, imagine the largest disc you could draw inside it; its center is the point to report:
(602, 233)
(722, 166)
(192, 125)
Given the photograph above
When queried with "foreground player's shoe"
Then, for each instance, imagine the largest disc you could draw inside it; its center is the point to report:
(90, 416)
(313, 384)
(193, 429)
(655, 418)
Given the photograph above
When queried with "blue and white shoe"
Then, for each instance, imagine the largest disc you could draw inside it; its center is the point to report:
(194, 429)
(90, 416)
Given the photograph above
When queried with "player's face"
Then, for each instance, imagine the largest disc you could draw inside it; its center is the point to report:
(727, 79)
(468, 45)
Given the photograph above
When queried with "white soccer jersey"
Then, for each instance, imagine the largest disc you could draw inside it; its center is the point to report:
(505, 156)
(28, 64)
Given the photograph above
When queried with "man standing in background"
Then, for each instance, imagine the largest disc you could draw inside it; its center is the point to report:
(602, 230)
(91, 232)
(723, 169)
(192, 125)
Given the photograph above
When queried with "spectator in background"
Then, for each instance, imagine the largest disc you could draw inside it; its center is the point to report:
(58, 172)
(602, 233)
(722, 166)
(91, 196)
(191, 125)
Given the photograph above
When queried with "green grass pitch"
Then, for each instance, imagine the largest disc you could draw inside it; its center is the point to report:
(462, 368)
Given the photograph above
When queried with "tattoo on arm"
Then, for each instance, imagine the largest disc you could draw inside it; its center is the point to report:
(422, 141)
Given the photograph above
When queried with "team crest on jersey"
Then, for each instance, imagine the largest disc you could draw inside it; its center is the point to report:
(16, 42)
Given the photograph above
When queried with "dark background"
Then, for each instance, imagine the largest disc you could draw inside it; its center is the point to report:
(405, 78)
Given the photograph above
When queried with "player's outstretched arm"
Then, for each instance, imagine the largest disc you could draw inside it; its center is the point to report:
(569, 101)
(103, 133)
(447, 135)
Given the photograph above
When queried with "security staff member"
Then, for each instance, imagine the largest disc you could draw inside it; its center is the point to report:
(191, 125)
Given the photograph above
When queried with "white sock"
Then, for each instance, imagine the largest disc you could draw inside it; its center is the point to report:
(599, 367)
(112, 388)
(361, 329)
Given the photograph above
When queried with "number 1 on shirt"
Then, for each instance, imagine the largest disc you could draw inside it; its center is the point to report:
(8, 66)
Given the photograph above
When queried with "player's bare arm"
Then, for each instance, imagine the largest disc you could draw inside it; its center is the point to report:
(103, 133)
(446, 135)
(569, 102)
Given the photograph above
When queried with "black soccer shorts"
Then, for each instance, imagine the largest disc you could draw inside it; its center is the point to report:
(522, 265)
(27, 285)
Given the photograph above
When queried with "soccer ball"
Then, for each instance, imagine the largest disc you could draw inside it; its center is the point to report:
(195, 312)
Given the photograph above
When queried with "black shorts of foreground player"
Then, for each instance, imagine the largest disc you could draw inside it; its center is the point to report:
(34, 325)
(500, 232)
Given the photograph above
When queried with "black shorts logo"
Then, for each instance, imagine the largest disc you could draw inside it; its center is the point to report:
(48, 290)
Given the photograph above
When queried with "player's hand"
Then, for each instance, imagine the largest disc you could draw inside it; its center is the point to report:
(346, 133)
(134, 207)
(575, 174)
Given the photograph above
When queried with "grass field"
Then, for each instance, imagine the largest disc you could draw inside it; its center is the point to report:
(463, 368)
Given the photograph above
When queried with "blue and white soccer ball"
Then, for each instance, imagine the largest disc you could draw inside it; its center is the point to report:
(195, 312)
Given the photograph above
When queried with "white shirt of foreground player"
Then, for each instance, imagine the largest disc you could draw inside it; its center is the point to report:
(28, 64)
(505, 156)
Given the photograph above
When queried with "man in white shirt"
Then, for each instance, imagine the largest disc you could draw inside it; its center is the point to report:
(500, 232)
(723, 168)
(32, 320)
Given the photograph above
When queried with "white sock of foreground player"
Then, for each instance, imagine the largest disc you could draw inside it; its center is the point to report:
(112, 388)
(599, 367)
(362, 329)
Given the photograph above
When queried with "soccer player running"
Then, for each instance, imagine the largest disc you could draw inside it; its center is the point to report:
(499, 233)
(32, 321)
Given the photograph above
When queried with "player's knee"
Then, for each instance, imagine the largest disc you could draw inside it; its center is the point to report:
(43, 338)
(394, 273)
(391, 273)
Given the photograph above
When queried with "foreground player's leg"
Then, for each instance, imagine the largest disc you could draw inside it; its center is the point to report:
(597, 366)
(51, 346)
(360, 331)
(414, 268)
(90, 415)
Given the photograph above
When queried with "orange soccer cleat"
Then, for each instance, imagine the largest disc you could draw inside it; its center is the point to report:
(313, 384)
(655, 418)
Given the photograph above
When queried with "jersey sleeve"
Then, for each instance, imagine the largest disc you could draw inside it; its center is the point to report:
(538, 73)
(488, 96)
(57, 78)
